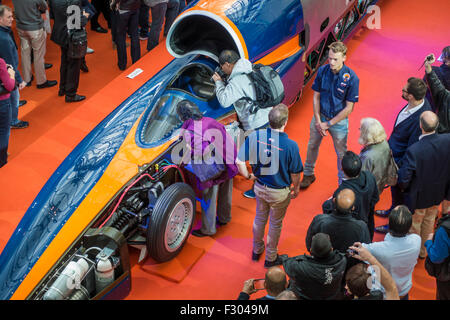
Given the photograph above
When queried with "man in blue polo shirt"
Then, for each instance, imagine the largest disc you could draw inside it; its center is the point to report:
(336, 91)
(276, 165)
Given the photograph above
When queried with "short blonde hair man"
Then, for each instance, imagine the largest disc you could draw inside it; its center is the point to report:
(337, 47)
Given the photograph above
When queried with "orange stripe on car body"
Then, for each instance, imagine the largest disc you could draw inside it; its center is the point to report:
(283, 52)
(119, 172)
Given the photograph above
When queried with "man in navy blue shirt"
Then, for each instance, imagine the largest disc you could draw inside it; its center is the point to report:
(276, 165)
(336, 91)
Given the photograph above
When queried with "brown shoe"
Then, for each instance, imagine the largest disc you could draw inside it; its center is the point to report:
(306, 181)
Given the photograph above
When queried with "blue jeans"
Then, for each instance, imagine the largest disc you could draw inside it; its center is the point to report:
(14, 103)
(5, 129)
(339, 133)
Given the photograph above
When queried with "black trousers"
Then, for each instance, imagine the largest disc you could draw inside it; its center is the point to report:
(127, 22)
(69, 73)
(101, 6)
(398, 197)
(442, 290)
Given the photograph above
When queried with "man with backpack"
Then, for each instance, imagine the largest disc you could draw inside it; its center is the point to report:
(240, 91)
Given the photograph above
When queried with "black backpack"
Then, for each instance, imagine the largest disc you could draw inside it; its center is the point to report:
(269, 89)
(440, 271)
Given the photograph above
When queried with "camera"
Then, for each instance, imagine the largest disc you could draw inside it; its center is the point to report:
(351, 252)
(220, 72)
(258, 284)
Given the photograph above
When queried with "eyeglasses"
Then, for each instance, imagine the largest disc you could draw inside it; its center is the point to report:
(405, 91)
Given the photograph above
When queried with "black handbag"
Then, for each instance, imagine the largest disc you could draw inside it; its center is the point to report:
(441, 271)
(77, 44)
(3, 90)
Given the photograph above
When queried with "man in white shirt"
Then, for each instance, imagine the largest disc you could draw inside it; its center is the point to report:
(399, 251)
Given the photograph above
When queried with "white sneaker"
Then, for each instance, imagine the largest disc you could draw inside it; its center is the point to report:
(89, 50)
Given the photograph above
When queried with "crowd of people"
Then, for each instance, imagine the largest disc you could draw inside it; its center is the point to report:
(343, 258)
(412, 162)
(123, 17)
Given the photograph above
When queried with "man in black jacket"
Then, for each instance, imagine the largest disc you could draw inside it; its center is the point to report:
(364, 185)
(340, 225)
(320, 276)
(441, 99)
(442, 73)
(70, 68)
(425, 176)
(439, 93)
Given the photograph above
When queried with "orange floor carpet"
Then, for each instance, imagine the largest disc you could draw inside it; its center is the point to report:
(383, 59)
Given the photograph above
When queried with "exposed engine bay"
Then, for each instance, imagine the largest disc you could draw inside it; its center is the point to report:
(154, 212)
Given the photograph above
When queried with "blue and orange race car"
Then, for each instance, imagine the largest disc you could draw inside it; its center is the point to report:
(120, 187)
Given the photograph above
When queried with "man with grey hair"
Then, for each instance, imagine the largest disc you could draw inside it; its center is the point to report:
(276, 165)
(425, 176)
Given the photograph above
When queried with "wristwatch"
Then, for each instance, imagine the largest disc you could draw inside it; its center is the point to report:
(329, 123)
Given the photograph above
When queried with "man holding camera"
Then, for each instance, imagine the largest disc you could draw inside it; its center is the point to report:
(238, 91)
(275, 282)
(399, 250)
(319, 276)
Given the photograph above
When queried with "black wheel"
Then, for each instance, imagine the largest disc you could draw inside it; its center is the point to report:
(171, 222)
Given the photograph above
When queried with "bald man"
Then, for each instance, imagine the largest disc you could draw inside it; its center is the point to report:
(275, 282)
(425, 176)
(340, 224)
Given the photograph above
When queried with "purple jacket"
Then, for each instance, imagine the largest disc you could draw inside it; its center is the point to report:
(208, 131)
(5, 79)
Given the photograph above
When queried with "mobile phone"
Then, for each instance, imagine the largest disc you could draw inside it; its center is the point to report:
(259, 284)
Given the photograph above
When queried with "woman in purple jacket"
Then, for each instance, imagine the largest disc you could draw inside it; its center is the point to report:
(7, 78)
(199, 133)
